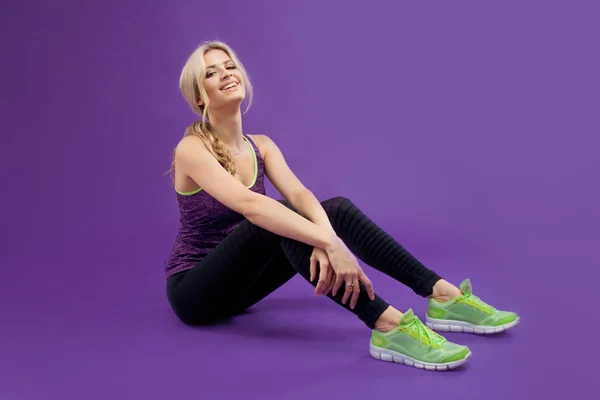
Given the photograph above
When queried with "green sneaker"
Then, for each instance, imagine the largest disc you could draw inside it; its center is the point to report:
(468, 313)
(415, 345)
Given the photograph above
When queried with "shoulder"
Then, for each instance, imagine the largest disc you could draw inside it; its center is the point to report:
(260, 139)
(190, 148)
(264, 143)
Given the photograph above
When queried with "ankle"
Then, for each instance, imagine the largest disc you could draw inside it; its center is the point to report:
(388, 320)
(444, 291)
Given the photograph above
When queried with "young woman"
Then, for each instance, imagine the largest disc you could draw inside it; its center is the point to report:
(235, 245)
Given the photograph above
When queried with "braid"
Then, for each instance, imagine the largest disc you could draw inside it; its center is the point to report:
(204, 131)
(221, 152)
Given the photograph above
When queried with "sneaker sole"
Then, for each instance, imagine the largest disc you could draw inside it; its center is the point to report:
(441, 325)
(393, 356)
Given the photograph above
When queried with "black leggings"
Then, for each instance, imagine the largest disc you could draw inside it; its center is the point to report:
(252, 262)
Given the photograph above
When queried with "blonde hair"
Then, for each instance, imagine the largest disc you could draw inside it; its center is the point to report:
(191, 85)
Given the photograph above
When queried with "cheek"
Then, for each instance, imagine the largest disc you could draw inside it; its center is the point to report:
(238, 76)
(243, 83)
(211, 89)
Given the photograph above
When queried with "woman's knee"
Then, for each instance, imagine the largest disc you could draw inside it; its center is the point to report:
(336, 204)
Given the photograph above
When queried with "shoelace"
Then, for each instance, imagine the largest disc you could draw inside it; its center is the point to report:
(422, 330)
(476, 300)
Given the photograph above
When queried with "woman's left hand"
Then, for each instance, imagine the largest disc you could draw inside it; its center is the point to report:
(326, 273)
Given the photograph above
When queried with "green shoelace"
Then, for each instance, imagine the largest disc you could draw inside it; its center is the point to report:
(423, 331)
(470, 298)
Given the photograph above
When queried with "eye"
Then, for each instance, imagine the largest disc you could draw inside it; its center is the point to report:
(210, 73)
(231, 67)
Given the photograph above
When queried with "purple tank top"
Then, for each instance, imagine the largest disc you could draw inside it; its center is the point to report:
(205, 222)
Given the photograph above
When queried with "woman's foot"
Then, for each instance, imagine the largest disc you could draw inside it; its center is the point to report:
(388, 320)
(415, 345)
(444, 291)
(467, 313)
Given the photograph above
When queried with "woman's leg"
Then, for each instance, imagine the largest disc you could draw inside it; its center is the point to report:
(393, 338)
(275, 274)
(377, 248)
(279, 270)
(240, 266)
(245, 267)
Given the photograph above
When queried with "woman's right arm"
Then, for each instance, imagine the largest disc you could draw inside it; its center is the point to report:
(195, 161)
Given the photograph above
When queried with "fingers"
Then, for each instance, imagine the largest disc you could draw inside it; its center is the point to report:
(322, 279)
(352, 288)
(355, 292)
(348, 292)
(326, 282)
(313, 267)
(368, 285)
(330, 281)
(339, 280)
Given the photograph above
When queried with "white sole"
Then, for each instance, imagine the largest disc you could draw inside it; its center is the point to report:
(392, 356)
(441, 325)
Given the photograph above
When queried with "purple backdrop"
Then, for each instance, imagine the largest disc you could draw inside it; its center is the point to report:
(466, 129)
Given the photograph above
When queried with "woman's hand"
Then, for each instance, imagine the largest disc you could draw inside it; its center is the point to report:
(348, 273)
(326, 273)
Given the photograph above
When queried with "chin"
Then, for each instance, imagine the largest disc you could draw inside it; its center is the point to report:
(232, 103)
(236, 99)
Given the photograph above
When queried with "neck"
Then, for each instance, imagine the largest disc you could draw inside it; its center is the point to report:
(228, 128)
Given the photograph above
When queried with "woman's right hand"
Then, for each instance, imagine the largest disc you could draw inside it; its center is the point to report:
(348, 273)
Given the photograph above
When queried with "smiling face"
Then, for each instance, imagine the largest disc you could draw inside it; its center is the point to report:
(214, 78)
(223, 81)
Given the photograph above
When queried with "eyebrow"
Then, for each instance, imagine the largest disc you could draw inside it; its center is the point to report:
(214, 65)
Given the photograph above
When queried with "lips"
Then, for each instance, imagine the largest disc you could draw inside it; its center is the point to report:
(230, 85)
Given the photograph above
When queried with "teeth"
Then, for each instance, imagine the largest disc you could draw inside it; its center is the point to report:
(232, 84)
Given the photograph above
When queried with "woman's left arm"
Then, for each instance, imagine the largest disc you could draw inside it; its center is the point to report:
(286, 182)
(304, 201)
(307, 205)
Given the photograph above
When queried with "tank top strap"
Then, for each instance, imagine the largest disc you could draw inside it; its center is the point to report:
(259, 185)
(257, 151)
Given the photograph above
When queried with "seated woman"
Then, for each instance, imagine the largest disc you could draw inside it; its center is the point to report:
(236, 245)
